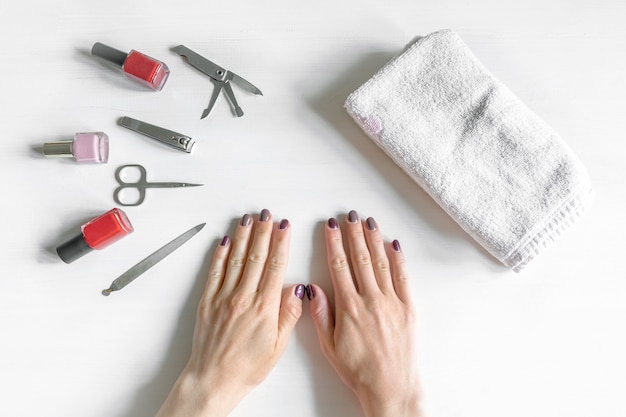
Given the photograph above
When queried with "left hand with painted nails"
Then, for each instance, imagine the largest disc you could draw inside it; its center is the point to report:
(243, 322)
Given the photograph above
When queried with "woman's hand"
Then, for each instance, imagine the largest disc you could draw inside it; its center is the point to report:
(369, 338)
(243, 323)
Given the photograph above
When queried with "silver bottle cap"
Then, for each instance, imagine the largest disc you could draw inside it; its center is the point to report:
(58, 149)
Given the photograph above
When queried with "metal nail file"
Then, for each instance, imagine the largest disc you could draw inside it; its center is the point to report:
(130, 275)
(169, 137)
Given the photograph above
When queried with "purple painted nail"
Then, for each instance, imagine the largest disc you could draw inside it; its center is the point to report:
(396, 246)
(332, 223)
(310, 292)
(299, 291)
(265, 215)
(284, 223)
(246, 220)
(225, 241)
(353, 216)
(371, 223)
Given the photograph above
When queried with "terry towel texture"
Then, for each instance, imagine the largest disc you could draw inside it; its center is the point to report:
(493, 165)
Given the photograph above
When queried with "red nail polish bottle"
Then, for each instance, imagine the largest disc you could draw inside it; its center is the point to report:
(139, 67)
(96, 234)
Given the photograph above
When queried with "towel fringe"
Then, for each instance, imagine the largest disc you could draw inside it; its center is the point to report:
(554, 226)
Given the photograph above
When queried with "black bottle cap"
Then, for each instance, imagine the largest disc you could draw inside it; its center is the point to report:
(73, 249)
(110, 54)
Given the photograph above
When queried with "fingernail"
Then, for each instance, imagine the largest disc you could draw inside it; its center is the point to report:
(225, 241)
(265, 215)
(299, 291)
(284, 223)
(310, 292)
(353, 217)
(396, 246)
(332, 223)
(371, 223)
(245, 220)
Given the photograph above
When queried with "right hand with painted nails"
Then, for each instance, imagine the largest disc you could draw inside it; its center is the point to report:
(368, 338)
(243, 322)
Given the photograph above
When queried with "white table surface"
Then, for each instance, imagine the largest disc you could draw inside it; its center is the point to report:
(546, 342)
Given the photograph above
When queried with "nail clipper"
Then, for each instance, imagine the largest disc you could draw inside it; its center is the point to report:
(174, 139)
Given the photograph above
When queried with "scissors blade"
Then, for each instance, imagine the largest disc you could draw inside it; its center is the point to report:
(201, 63)
(163, 185)
(245, 84)
(151, 260)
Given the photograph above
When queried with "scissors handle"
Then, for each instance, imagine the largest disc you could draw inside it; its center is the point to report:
(140, 198)
(140, 185)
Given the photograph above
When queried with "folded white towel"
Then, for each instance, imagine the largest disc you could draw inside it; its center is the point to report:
(493, 165)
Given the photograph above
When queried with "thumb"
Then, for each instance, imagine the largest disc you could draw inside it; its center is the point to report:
(290, 312)
(323, 318)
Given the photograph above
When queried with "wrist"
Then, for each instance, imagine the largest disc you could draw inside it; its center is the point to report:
(408, 405)
(194, 397)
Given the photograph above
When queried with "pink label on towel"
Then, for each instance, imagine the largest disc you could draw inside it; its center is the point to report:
(372, 125)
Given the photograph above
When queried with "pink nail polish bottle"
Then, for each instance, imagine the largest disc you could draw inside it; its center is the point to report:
(85, 148)
(139, 67)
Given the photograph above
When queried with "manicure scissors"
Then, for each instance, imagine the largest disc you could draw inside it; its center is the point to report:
(141, 184)
(221, 77)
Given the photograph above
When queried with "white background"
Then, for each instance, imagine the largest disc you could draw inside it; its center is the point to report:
(546, 342)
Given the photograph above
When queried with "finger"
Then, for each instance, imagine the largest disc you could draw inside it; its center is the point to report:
(338, 264)
(399, 272)
(290, 313)
(257, 253)
(360, 254)
(276, 265)
(323, 319)
(237, 256)
(217, 269)
(380, 262)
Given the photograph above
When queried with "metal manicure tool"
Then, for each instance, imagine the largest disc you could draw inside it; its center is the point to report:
(130, 275)
(174, 139)
(221, 77)
(141, 184)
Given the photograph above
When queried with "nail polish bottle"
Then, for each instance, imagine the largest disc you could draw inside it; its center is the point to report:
(139, 67)
(96, 234)
(85, 148)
